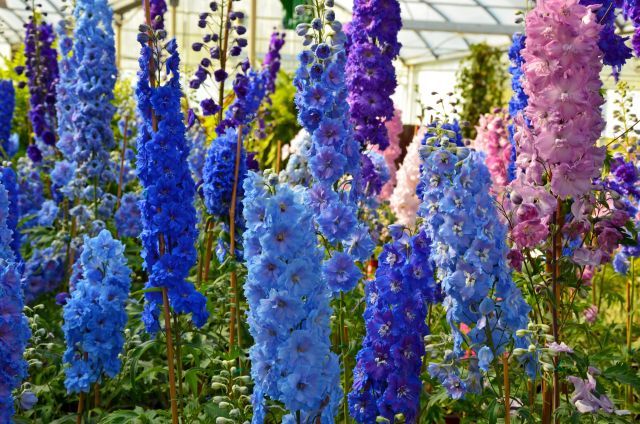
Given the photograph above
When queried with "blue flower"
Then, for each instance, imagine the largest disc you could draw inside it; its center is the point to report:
(7, 105)
(289, 312)
(340, 273)
(14, 326)
(470, 251)
(9, 180)
(128, 216)
(94, 315)
(386, 379)
(168, 214)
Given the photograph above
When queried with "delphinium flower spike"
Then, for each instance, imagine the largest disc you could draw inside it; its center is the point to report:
(387, 372)
(288, 300)
(9, 179)
(14, 326)
(66, 90)
(95, 74)
(371, 77)
(631, 10)
(469, 250)
(42, 75)
(519, 98)
(334, 156)
(158, 8)
(613, 46)
(168, 214)
(7, 105)
(94, 315)
(492, 138)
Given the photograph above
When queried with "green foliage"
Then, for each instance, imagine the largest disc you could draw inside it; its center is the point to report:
(281, 123)
(481, 84)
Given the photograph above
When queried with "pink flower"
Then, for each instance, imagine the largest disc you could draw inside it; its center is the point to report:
(529, 233)
(404, 201)
(515, 259)
(591, 314)
(392, 152)
(493, 140)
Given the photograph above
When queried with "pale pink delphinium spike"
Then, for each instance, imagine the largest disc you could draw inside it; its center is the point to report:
(404, 201)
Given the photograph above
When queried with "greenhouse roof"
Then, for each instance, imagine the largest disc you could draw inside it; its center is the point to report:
(433, 29)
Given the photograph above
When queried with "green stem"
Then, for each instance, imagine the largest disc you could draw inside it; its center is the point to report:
(344, 358)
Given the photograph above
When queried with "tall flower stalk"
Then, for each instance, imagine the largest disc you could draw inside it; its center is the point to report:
(42, 75)
(484, 308)
(289, 308)
(7, 106)
(371, 77)
(14, 327)
(387, 372)
(169, 216)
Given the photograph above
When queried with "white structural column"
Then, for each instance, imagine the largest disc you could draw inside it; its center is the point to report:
(411, 95)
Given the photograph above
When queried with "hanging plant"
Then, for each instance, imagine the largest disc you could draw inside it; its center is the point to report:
(480, 85)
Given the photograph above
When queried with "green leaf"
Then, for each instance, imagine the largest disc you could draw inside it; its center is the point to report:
(624, 374)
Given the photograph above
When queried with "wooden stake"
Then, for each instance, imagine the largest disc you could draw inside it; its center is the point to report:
(507, 389)
(235, 307)
(170, 359)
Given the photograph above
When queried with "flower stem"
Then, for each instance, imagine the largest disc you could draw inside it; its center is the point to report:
(345, 407)
(170, 356)
(235, 308)
(507, 389)
(122, 154)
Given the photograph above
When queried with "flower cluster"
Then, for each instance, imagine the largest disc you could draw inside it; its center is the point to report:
(374, 175)
(288, 300)
(613, 46)
(222, 21)
(297, 170)
(387, 372)
(95, 74)
(493, 139)
(404, 201)
(43, 272)
(392, 153)
(250, 88)
(7, 105)
(31, 190)
(470, 252)
(157, 9)
(564, 99)
(631, 10)
(128, 216)
(219, 173)
(42, 76)
(14, 326)
(323, 111)
(197, 139)
(94, 315)
(519, 99)
(168, 214)
(10, 181)
(371, 77)
(271, 62)
(66, 90)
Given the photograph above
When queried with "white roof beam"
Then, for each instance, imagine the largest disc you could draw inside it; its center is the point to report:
(461, 27)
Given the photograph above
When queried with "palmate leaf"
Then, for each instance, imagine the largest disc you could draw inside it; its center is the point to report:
(624, 374)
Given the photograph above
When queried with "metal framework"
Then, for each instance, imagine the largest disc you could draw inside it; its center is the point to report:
(433, 29)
